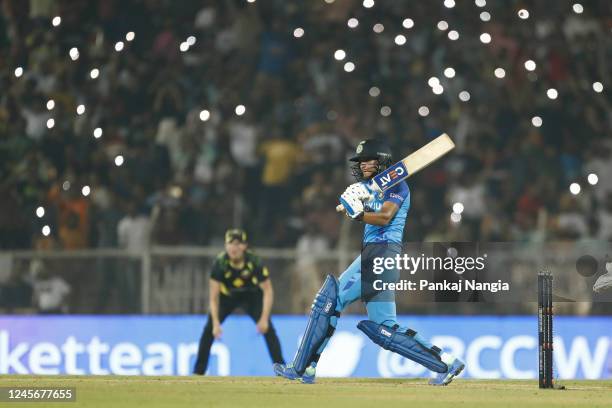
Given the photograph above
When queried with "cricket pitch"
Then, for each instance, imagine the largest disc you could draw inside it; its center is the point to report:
(153, 392)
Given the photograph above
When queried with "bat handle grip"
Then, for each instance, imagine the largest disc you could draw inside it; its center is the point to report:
(339, 208)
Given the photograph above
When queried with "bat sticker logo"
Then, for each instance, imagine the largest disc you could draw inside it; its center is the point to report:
(387, 178)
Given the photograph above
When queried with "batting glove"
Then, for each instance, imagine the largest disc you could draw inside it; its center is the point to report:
(360, 191)
(352, 205)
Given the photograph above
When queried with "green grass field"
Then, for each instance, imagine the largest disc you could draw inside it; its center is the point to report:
(152, 392)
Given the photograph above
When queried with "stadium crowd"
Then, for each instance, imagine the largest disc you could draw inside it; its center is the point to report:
(145, 122)
(250, 121)
(127, 124)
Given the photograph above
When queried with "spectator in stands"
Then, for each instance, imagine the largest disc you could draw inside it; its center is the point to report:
(280, 156)
(134, 230)
(134, 234)
(307, 277)
(571, 223)
(50, 292)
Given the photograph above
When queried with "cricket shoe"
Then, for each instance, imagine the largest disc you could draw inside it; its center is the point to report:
(288, 372)
(309, 375)
(453, 370)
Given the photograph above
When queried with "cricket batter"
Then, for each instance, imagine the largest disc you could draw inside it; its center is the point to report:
(384, 216)
(238, 279)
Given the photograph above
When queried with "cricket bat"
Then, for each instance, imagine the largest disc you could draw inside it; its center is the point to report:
(410, 164)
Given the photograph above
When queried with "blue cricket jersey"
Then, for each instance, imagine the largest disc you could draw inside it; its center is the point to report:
(392, 232)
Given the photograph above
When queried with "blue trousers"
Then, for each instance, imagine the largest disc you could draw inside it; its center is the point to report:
(379, 312)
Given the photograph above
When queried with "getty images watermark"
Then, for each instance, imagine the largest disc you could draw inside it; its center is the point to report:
(498, 272)
(409, 264)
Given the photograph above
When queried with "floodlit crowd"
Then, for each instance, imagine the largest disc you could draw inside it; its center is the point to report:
(137, 123)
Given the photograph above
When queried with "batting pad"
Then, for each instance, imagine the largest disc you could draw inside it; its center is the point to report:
(321, 325)
(403, 344)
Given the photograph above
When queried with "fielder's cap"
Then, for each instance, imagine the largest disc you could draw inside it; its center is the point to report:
(235, 233)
